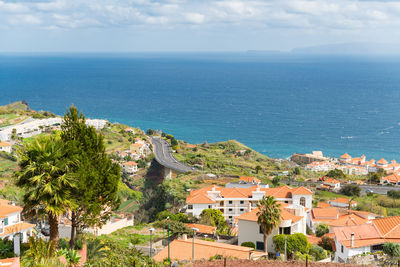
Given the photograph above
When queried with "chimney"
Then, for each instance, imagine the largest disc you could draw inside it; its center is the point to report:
(352, 240)
(248, 206)
(213, 188)
(184, 237)
(258, 188)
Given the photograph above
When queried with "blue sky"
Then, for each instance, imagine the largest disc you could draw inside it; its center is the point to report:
(192, 25)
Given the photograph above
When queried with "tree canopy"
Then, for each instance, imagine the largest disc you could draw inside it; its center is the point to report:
(269, 216)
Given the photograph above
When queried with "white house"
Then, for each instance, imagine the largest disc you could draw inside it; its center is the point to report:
(11, 222)
(96, 123)
(6, 147)
(130, 167)
(342, 202)
(369, 237)
(235, 201)
(293, 220)
(330, 184)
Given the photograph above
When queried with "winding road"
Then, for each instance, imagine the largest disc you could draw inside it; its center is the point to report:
(163, 153)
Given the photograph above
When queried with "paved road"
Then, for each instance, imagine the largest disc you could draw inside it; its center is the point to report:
(377, 189)
(163, 153)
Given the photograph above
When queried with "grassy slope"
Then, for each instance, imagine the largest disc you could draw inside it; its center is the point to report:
(225, 159)
(13, 113)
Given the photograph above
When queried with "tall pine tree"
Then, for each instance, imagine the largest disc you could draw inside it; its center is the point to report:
(96, 176)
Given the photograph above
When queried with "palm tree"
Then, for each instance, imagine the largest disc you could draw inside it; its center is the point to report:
(269, 216)
(43, 176)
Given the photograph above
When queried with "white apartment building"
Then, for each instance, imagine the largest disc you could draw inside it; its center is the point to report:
(130, 167)
(293, 220)
(235, 201)
(11, 222)
(96, 123)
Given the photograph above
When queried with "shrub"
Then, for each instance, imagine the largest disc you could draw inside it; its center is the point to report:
(337, 174)
(392, 249)
(321, 230)
(248, 245)
(326, 243)
(350, 190)
(318, 253)
(294, 243)
(394, 194)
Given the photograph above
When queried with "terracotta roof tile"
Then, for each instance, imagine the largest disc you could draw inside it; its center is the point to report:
(5, 210)
(182, 250)
(382, 161)
(343, 200)
(323, 205)
(330, 213)
(345, 156)
(348, 220)
(16, 228)
(129, 163)
(4, 144)
(285, 215)
(249, 179)
(206, 229)
(388, 226)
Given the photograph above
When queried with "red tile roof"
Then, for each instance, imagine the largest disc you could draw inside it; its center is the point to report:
(348, 220)
(393, 178)
(330, 213)
(343, 200)
(382, 161)
(182, 250)
(206, 229)
(130, 163)
(345, 156)
(3, 144)
(249, 179)
(285, 215)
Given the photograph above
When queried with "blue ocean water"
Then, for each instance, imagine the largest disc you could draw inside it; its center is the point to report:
(276, 104)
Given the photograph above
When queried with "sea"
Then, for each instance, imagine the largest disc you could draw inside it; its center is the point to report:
(275, 103)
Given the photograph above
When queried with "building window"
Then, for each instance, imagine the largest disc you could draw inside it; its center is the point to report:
(303, 201)
(241, 209)
(260, 230)
(5, 221)
(284, 230)
(230, 202)
(241, 201)
(230, 217)
(230, 209)
(210, 206)
(341, 249)
(190, 207)
(286, 201)
(260, 245)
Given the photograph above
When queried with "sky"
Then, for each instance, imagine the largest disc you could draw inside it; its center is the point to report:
(192, 25)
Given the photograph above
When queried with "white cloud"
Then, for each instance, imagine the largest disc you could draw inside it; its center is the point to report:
(323, 15)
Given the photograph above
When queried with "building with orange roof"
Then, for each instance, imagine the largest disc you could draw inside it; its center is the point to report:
(330, 184)
(323, 205)
(11, 222)
(249, 179)
(342, 202)
(382, 163)
(181, 250)
(235, 201)
(393, 179)
(130, 167)
(345, 158)
(130, 130)
(203, 229)
(293, 220)
(5, 146)
(10, 262)
(369, 237)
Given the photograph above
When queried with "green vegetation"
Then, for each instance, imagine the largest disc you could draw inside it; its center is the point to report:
(322, 229)
(350, 190)
(95, 187)
(229, 158)
(249, 245)
(297, 247)
(337, 174)
(326, 243)
(269, 216)
(215, 218)
(43, 177)
(392, 249)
